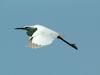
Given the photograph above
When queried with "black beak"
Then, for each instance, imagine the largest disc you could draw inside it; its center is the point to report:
(21, 28)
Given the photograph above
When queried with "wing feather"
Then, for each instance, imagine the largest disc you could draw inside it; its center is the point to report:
(33, 45)
(42, 40)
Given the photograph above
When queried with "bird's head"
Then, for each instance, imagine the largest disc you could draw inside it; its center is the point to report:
(29, 30)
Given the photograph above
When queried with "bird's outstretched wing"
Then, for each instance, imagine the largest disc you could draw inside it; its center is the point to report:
(40, 41)
(33, 45)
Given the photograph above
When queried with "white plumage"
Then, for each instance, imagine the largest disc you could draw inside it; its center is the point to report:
(40, 36)
(43, 36)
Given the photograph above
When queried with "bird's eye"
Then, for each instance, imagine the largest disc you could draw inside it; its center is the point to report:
(26, 27)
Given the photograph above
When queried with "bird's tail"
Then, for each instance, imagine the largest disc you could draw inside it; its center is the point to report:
(72, 45)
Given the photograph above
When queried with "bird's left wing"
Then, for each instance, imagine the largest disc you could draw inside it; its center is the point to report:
(33, 45)
(42, 40)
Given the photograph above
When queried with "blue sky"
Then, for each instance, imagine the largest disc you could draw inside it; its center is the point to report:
(77, 20)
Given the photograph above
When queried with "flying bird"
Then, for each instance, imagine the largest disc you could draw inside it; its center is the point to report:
(40, 36)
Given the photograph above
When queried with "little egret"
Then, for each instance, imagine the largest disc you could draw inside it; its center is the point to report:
(40, 36)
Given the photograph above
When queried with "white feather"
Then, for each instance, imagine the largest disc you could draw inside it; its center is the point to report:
(42, 37)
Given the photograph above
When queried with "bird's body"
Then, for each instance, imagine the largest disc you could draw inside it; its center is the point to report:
(40, 36)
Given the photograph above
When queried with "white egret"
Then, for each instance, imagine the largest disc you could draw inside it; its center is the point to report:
(40, 36)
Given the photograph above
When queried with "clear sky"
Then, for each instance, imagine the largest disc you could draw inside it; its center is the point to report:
(77, 20)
